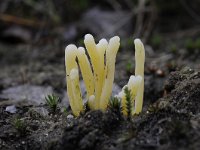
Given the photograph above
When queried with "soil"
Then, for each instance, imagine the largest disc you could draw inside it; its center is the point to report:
(172, 122)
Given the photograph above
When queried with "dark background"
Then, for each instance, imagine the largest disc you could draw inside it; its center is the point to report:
(34, 34)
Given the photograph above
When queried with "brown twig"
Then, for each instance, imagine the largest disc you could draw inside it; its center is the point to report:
(150, 22)
(20, 21)
(184, 33)
(139, 18)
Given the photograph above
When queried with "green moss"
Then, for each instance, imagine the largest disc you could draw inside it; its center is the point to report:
(189, 44)
(127, 43)
(156, 40)
(197, 43)
(129, 105)
(80, 42)
(129, 66)
(52, 102)
(173, 48)
(114, 104)
(130, 42)
(19, 125)
(192, 45)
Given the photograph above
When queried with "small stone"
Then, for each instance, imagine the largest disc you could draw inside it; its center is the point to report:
(70, 116)
(11, 109)
(160, 73)
(23, 95)
(40, 110)
(23, 142)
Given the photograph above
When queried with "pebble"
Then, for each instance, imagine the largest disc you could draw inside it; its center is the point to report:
(11, 109)
(70, 116)
(23, 95)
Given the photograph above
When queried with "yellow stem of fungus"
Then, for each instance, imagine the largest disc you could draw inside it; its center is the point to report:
(122, 96)
(86, 71)
(111, 53)
(101, 48)
(91, 102)
(94, 56)
(70, 63)
(139, 70)
(76, 91)
(134, 84)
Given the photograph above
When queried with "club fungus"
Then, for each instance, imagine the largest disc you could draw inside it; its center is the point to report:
(132, 87)
(98, 75)
(139, 70)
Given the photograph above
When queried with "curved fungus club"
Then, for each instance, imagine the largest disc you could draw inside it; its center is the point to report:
(98, 75)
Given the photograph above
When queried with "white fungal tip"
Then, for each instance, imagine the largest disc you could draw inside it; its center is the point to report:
(103, 42)
(132, 80)
(81, 50)
(115, 39)
(120, 94)
(88, 37)
(91, 98)
(139, 78)
(137, 41)
(132, 77)
(73, 74)
(70, 47)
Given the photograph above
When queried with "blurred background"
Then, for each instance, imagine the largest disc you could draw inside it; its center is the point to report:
(34, 34)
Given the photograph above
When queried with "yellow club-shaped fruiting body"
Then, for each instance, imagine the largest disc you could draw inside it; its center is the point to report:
(101, 48)
(91, 102)
(74, 77)
(111, 53)
(133, 85)
(95, 60)
(121, 95)
(86, 71)
(70, 63)
(139, 70)
(98, 75)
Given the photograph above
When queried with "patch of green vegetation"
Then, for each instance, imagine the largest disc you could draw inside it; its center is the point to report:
(52, 102)
(129, 66)
(19, 125)
(156, 40)
(189, 44)
(127, 43)
(173, 48)
(65, 112)
(80, 42)
(129, 105)
(130, 42)
(115, 104)
(81, 4)
(192, 45)
(197, 43)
